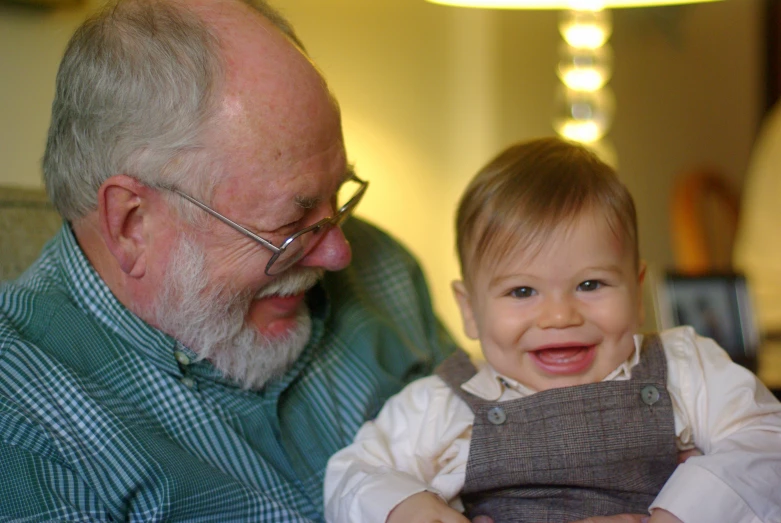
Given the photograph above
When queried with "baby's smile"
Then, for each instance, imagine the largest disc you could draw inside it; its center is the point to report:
(564, 359)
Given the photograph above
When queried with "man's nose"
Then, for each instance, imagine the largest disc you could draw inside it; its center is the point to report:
(559, 312)
(331, 253)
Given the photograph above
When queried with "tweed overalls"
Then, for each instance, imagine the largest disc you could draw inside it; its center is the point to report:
(569, 453)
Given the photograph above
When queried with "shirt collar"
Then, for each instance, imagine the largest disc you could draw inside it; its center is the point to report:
(489, 385)
(91, 294)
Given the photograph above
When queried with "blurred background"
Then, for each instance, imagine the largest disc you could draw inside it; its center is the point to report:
(429, 93)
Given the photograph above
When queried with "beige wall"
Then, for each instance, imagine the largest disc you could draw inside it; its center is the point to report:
(31, 44)
(429, 93)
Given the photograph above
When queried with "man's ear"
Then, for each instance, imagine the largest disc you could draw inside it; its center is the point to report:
(465, 305)
(122, 215)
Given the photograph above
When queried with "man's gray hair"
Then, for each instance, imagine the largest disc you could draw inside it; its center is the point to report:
(135, 90)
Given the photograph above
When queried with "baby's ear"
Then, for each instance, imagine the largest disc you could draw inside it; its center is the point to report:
(465, 306)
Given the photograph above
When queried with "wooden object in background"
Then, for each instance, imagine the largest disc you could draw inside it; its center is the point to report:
(703, 220)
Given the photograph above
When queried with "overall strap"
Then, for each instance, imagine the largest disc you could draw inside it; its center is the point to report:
(456, 370)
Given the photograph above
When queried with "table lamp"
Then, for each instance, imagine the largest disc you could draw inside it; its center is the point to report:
(584, 104)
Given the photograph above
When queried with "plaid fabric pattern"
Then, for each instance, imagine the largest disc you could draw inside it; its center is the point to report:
(569, 453)
(100, 421)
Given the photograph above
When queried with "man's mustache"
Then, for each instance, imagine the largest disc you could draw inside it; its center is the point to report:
(294, 281)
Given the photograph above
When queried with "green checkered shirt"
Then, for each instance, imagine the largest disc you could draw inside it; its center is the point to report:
(103, 417)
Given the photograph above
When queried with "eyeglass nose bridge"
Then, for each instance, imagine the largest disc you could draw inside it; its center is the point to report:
(320, 228)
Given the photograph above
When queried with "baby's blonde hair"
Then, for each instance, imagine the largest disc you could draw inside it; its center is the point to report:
(530, 189)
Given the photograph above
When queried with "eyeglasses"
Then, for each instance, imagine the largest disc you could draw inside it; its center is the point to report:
(297, 245)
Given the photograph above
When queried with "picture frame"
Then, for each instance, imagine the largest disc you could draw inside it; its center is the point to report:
(716, 305)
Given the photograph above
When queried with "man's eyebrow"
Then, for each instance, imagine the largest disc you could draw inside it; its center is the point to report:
(308, 202)
(311, 202)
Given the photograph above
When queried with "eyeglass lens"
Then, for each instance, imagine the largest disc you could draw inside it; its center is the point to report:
(347, 200)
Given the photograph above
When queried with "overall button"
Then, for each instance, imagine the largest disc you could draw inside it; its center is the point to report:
(497, 416)
(650, 394)
(181, 357)
(188, 382)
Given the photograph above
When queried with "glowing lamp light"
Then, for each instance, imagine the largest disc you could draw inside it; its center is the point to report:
(562, 4)
(583, 116)
(584, 105)
(585, 70)
(586, 29)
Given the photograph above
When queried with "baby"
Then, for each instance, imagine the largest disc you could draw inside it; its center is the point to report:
(573, 414)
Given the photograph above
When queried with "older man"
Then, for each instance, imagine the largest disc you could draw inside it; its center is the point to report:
(193, 344)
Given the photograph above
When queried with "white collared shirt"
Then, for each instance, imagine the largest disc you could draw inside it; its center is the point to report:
(420, 441)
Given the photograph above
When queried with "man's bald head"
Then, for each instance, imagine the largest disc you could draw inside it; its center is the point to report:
(136, 88)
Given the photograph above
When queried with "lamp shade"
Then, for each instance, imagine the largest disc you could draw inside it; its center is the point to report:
(562, 4)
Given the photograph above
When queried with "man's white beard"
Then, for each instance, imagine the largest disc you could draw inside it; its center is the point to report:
(211, 321)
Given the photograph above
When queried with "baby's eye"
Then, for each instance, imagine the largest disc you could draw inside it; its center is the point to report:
(522, 292)
(590, 285)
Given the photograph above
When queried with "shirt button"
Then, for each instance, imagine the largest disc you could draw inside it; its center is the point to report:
(649, 394)
(188, 382)
(181, 357)
(497, 416)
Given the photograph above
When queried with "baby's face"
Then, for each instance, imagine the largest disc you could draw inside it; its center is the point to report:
(566, 316)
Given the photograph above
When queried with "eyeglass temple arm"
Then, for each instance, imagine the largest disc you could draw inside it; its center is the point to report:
(229, 222)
